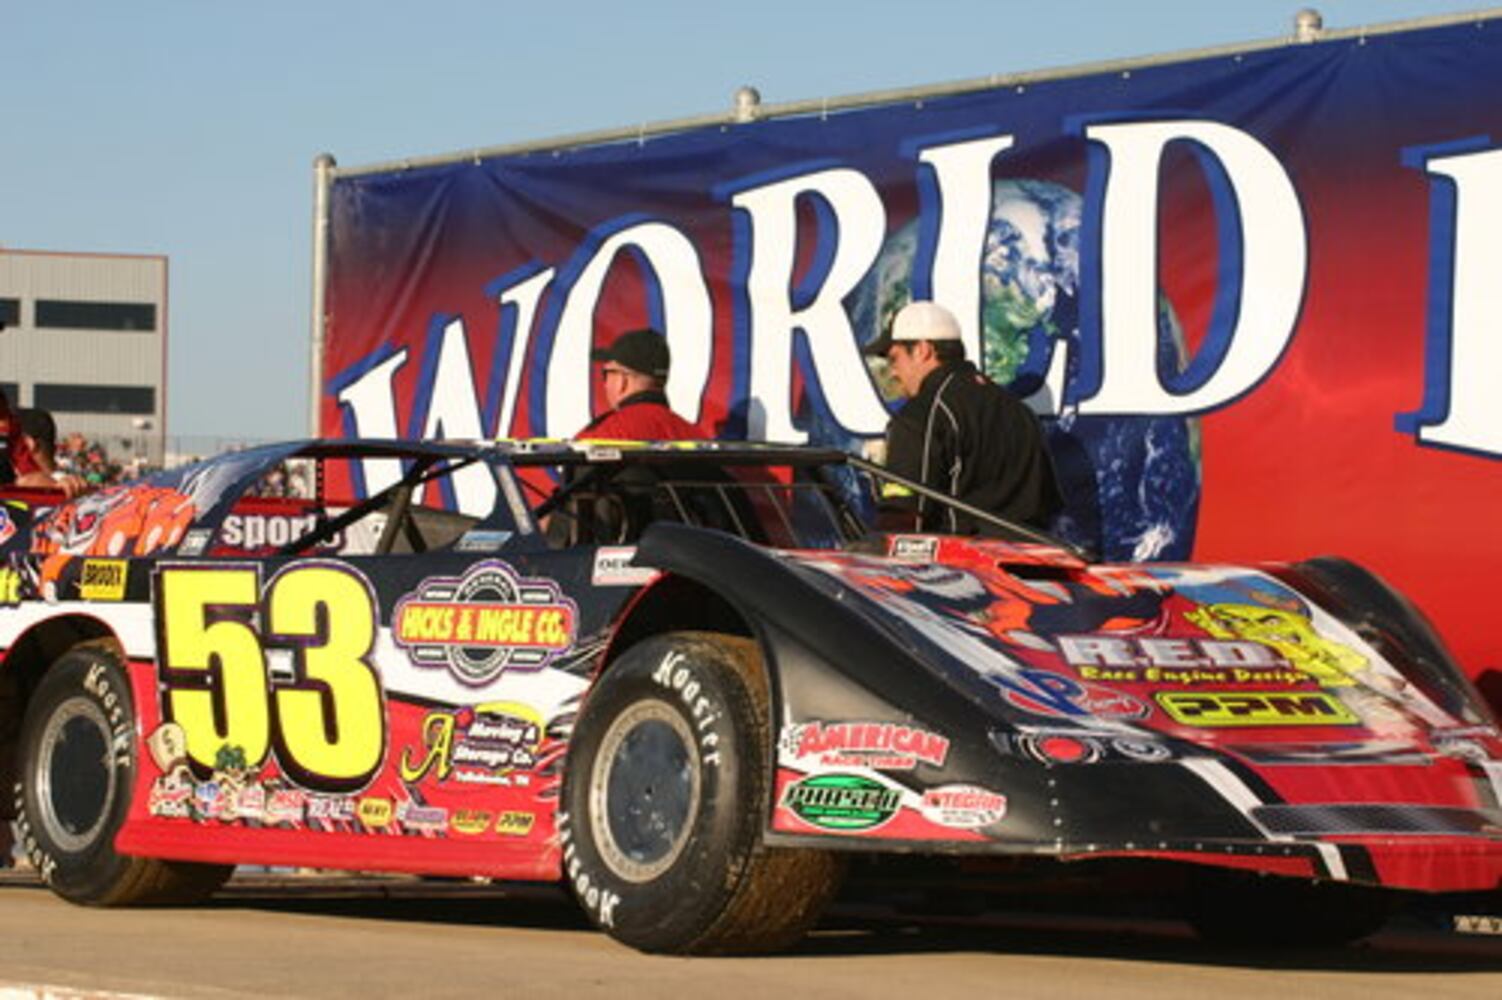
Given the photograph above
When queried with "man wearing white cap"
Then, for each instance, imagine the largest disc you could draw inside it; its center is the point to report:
(959, 432)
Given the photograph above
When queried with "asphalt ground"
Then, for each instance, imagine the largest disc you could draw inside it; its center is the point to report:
(279, 935)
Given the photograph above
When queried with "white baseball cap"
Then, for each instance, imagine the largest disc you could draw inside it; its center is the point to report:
(917, 321)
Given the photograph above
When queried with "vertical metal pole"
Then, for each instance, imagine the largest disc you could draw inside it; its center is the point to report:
(323, 179)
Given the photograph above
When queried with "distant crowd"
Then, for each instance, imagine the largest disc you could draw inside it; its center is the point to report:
(89, 461)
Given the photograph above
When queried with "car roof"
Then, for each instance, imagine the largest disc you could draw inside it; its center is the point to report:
(554, 451)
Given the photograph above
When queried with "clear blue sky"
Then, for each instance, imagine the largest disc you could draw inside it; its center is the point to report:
(189, 127)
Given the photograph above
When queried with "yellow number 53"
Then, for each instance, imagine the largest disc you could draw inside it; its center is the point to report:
(326, 721)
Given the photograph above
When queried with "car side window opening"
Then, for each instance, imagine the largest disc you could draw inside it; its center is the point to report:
(614, 503)
(311, 505)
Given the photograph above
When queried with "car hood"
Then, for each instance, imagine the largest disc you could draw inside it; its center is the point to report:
(1224, 657)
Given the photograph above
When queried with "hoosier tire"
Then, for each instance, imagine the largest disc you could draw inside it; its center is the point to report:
(78, 767)
(664, 800)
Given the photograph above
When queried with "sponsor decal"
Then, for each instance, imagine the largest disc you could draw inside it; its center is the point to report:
(422, 819)
(1235, 708)
(330, 808)
(253, 532)
(1186, 662)
(172, 795)
(482, 541)
(514, 824)
(7, 526)
(470, 821)
(10, 588)
(1144, 750)
(964, 807)
(676, 673)
(195, 542)
(881, 745)
(285, 806)
(1044, 692)
(485, 622)
(1292, 635)
(914, 548)
(1118, 651)
(1477, 923)
(208, 800)
(102, 580)
(481, 745)
(375, 813)
(613, 568)
(844, 802)
(1061, 748)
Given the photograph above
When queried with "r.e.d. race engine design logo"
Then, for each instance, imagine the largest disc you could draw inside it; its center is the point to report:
(484, 622)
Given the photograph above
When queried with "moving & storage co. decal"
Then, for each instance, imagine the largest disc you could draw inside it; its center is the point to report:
(479, 745)
(484, 622)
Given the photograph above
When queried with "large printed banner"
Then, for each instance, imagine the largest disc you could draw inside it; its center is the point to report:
(1257, 298)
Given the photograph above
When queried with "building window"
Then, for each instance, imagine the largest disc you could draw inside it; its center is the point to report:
(10, 312)
(12, 392)
(95, 315)
(94, 398)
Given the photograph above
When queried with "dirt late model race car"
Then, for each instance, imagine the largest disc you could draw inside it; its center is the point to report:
(691, 684)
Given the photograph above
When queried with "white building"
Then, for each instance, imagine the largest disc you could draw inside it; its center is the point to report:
(86, 339)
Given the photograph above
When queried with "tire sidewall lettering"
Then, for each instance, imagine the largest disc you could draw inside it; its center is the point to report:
(676, 672)
(101, 681)
(596, 892)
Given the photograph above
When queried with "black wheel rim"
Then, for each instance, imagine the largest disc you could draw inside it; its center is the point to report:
(644, 791)
(74, 774)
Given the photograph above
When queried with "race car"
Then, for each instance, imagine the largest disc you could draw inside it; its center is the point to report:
(691, 682)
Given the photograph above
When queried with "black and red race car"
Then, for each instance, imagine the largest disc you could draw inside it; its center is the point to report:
(689, 681)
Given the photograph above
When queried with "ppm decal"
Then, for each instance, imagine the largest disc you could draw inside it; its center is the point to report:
(1226, 708)
(487, 621)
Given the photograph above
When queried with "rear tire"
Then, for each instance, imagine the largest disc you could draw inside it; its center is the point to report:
(78, 767)
(664, 800)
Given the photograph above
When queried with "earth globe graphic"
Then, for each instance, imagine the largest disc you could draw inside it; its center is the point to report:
(1131, 483)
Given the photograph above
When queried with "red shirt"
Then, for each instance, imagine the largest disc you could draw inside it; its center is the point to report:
(642, 417)
(16, 458)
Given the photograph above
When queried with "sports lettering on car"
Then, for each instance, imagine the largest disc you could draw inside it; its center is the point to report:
(1226, 708)
(482, 623)
(253, 532)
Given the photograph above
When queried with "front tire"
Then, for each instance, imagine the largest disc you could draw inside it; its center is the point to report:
(78, 767)
(664, 800)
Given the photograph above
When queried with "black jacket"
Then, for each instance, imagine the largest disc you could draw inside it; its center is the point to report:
(966, 436)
